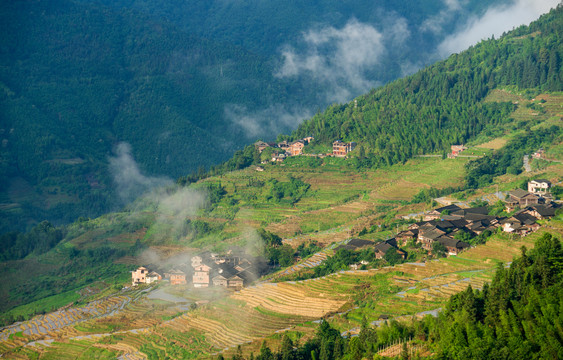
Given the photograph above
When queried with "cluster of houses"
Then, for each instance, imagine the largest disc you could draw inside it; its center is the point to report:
(339, 148)
(208, 269)
(289, 148)
(379, 249)
(437, 226)
(230, 271)
(442, 224)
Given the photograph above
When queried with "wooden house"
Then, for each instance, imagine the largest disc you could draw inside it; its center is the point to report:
(520, 223)
(452, 245)
(437, 213)
(457, 149)
(153, 276)
(261, 145)
(427, 236)
(201, 277)
(177, 277)
(405, 236)
(284, 145)
(296, 147)
(383, 247)
(521, 198)
(341, 149)
(541, 211)
(355, 244)
(139, 276)
(539, 186)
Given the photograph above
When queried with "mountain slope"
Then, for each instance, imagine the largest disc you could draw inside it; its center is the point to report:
(185, 83)
(79, 78)
(305, 199)
(443, 104)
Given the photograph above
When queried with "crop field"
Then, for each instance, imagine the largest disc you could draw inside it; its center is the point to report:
(338, 199)
(262, 311)
(339, 203)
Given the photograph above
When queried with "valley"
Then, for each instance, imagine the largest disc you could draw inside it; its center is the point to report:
(420, 220)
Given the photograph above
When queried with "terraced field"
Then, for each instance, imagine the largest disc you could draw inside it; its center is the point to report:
(255, 313)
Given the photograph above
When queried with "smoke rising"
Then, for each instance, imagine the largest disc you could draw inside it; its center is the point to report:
(129, 181)
(495, 21)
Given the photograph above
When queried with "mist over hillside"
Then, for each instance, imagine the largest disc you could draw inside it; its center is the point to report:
(185, 84)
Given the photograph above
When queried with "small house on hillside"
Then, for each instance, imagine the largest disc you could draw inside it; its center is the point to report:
(355, 244)
(296, 147)
(539, 186)
(139, 276)
(540, 154)
(405, 236)
(457, 149)
(383, 247)
(201, 277)
(521, 198)
(177, 277)
(278, 157)
(452, 245)
(153, 276)
(541, 211)
(144, 276)
(427, 236)
(284, 145)
(261, 145)
(438, 212)
(341, 149)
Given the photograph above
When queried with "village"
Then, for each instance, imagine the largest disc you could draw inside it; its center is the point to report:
(284, 149)
(232, 270)
(449, 228)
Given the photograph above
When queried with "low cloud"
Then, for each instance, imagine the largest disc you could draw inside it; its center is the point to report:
(129, 181)
(266, 122)
(495, 21)
(435, 24)
(337, 58)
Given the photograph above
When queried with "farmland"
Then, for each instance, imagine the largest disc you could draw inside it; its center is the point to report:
(330, 202)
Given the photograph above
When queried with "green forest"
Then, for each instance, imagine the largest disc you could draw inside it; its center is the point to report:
(443, 104)
(78, 77)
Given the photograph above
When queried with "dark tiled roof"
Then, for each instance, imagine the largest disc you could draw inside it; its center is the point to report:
(544, 210)
(524, 218)
(478, 217)
(450, 208)
(360, 243)
(519, 193)
(383, 247)
(432, 233)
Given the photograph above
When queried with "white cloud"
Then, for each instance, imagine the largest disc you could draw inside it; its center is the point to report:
(129, 180)
(495, 21)
(435, 23)
(265, 122)
(338, 58)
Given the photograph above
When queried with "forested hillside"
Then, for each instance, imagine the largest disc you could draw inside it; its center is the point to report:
(443, 104)
(79, 78)
(185, 83)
